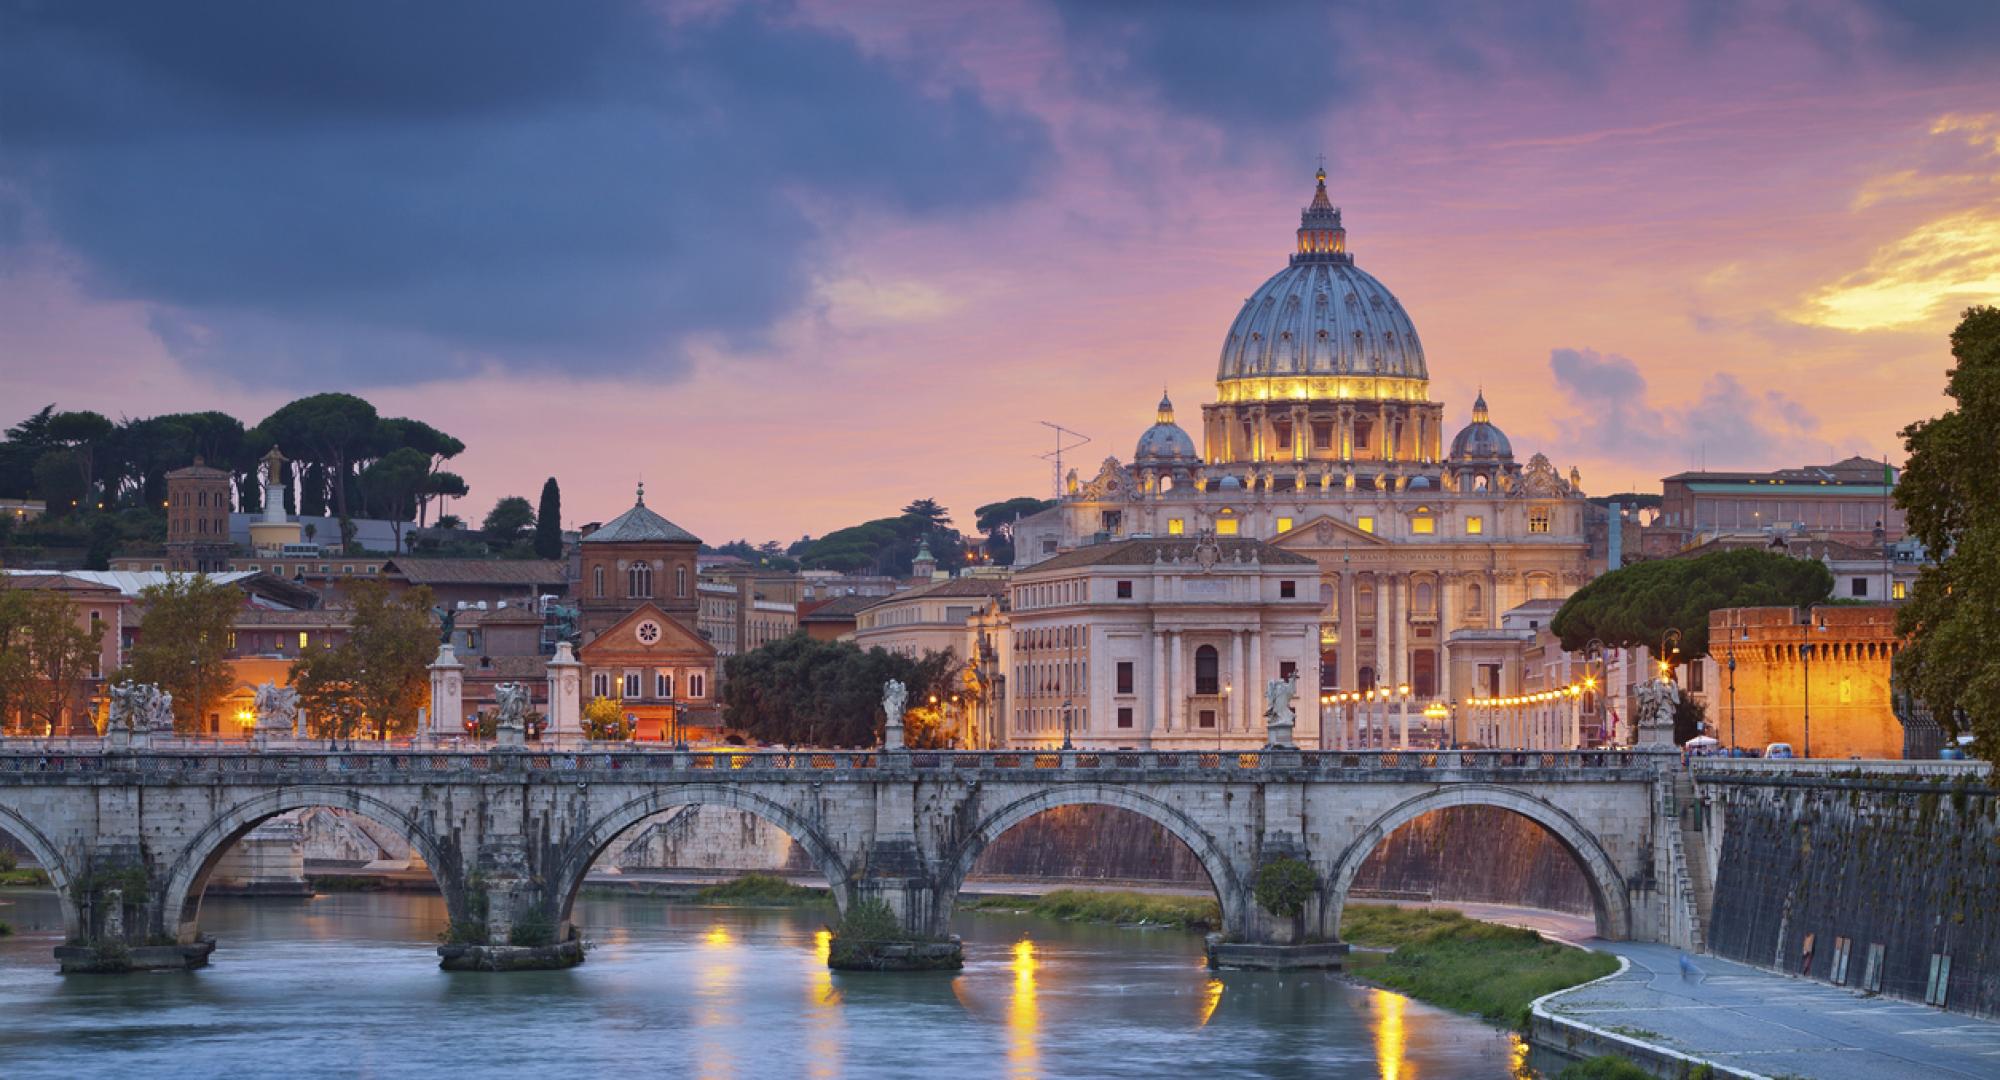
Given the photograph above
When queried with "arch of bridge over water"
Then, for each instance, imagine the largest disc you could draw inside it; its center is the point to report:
(510, 834)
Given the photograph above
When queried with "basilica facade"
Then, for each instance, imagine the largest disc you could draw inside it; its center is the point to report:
(1323, 442)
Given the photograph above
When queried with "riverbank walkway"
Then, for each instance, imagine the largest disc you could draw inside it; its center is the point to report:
(1774, 1025)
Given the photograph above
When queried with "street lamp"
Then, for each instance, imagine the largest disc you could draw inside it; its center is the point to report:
(1732, 699)
(1066, 744)
(1403, 717)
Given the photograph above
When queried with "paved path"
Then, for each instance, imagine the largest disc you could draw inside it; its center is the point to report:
(1776, 1025)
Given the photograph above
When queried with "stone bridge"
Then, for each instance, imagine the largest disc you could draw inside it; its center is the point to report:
(130, 837)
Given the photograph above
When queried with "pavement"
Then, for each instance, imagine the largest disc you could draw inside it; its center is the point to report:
(1776, 1025)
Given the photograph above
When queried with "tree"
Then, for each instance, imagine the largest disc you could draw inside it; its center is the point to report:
(85, 433)
(328, 429)
(548, 522)
(603, 719)
(312, 491)
(46, 654)
(934, 515)
(1950, 494)
(183, 645)
(24, 443)
(802, 691)
(1283, 887)
(379, 674)
(392, 483)
(440, 485)
(509, 518)
(59, 480)
(997, 520)
(1638, 604)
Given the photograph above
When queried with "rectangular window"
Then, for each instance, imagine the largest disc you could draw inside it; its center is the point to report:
(631, 684)
(1365, 524)
(1124, 676)
(1207, 718)
(1284, 525)
(305, 639)
(1284, 436)
(1114, 520)
(1125, 716)
(1322, 436)
(1124, 590)
(1288, 669)
(1225, 526)
(600, 684)
(1858, 587)
(1288, 589)
(1176, 527)
(1695, 676)
(1048, 547)
(1423, 526)
(1538, 520)
(1899, 591)
(1475, 525)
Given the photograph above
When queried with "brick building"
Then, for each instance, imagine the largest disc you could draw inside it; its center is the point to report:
(1831, 665)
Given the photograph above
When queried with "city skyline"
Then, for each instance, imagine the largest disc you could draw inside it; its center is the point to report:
(1734, 241)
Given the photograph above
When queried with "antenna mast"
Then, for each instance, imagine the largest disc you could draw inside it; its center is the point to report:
(1054, 457)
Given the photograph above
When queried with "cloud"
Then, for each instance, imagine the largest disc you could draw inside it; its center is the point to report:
(1613, 416)
(387, 192)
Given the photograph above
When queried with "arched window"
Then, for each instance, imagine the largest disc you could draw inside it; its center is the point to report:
(1538, 519)
(597, 585)
(1207, 671)
(1472, 597)
(681, 580)
(1479, 482)
(1425, 597)
(1366, 679)
(1325, 594)
(639, 581)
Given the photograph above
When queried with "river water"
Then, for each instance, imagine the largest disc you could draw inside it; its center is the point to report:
(348, 985)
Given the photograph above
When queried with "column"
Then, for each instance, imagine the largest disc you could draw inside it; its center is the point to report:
(1156, 719)
(1238, 689)
(1310, 691)
(1176, 683)
(1254, 700)
(1381, 628)
(1444, 584)
(1350, 631)
(447, 713)
(1399, 630)
(565, 676)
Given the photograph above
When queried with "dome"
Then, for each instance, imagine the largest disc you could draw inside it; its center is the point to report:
(1480, 440)
(1230, 483)
(1321, 316)
(1165, 443)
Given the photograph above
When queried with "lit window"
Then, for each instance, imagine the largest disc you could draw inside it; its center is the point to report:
(1899, 591)
(1538, 520)
(1225, 527)
(304, 639)
(1365, 524)
(1423, 526)
(1176, 527)
(1475, 525)
(1284, 525)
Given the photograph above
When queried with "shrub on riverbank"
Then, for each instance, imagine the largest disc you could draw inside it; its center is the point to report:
(23, 877)
(1607, 1067)
(1447, 959)
(1125, 908)
(763, 890)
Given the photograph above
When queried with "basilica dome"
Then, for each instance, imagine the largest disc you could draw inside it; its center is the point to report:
(1165, 443)
(1320, 320)
(1480, 440)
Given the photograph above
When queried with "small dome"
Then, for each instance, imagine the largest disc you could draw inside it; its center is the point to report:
(1165, 443)
(1480, 440)
(1230, 483)
(1419, 483)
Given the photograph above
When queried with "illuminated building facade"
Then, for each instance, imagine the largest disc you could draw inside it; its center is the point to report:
(1323, 441)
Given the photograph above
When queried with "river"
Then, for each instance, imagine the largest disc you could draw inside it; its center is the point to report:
(348, 985)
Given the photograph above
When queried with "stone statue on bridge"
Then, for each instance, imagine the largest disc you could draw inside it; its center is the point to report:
(141, 708)
(510, 716)
(895, 697)
(277, 709)
(1279, 716)
(1658, 699)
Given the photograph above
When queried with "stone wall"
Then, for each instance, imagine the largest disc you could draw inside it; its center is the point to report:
(1478, 853)
(1845, 679)
(1909, 865)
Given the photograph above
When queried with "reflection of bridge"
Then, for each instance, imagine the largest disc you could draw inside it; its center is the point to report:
(511, 834)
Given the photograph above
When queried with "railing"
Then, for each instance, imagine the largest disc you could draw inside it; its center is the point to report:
(47, 757)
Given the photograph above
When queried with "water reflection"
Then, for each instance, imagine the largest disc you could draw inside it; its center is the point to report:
(1023, 1016)
(1392, 1046)
(682, 991)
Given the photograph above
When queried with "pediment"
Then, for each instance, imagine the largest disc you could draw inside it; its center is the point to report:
(1323, 532)
(630, 634)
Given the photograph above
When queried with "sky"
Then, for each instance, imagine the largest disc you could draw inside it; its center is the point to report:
(794, 264)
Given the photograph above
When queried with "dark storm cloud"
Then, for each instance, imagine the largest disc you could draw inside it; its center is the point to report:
(1276, 66)
(390, 191)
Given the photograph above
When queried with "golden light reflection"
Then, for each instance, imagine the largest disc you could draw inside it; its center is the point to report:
(1517, 1059)
(824, 1043)
(1211, 998)
(717, 935)
(1391, 1041)
(1023, 1015)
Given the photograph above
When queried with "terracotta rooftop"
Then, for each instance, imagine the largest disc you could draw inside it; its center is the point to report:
(838, 609)
(523, 572)
(959, 586)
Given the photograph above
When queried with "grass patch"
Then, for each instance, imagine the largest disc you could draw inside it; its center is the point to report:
(22, 876)
(1444, 958)
(1608, 1067)
(761, 890)
(1125, 908)
(5, 928)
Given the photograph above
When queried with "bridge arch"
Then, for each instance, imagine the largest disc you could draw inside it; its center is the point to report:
(187, 877)
(45, 852)
(576, 859)
(1222, 875)
(1607, 886)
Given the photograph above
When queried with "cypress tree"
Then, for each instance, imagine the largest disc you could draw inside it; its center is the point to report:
(548, 522)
